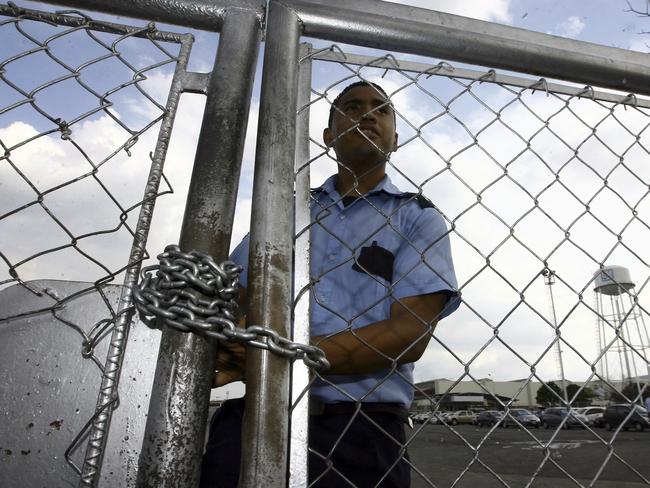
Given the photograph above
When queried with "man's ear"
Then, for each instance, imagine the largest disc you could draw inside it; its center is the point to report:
(327, 137)
(395, 142)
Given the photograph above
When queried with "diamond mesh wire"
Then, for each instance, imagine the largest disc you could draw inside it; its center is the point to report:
(541, 187)
(81, 168)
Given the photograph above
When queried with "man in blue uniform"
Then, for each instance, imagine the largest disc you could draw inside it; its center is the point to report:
(383, 273)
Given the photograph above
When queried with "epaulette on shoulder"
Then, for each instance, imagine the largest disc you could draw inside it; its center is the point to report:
(313, 191)
(423, 201)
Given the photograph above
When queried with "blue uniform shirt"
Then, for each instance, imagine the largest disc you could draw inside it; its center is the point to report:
(385, 246)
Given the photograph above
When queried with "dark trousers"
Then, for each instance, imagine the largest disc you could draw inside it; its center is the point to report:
(365, 455)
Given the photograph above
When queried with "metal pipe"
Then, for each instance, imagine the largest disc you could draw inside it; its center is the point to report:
(175, 430)
(97, 26)
(447, 70)
(265, 430)
(429, 33)
(300, 373)
(108, 391)
(198, 14)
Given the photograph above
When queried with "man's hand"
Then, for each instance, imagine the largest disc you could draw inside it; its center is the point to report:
(231, 356)
(230, 363)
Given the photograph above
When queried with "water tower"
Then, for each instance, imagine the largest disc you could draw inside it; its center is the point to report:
(621, 332)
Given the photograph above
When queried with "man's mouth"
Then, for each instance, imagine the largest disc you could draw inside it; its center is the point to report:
(370, 133)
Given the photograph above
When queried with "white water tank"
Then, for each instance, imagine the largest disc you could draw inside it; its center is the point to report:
(613, 280)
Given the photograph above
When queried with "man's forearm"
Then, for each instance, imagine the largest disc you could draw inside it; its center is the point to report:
(402, 338)
(374, 347)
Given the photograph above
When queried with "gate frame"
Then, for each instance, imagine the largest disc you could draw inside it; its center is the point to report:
(411, 30)
(166, 458)
(399, 28)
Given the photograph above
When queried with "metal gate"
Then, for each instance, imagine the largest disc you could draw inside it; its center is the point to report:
(540, 185)
(86, 216)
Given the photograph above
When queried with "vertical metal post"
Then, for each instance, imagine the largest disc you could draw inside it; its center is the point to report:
(300, 373)
(265, 429)
(175, 430)
(108, 395)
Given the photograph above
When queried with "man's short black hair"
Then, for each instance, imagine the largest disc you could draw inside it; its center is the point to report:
(336, 101)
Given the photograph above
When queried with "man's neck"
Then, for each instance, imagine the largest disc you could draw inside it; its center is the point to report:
(348, 184)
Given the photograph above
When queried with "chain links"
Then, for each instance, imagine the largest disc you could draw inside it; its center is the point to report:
(189, 292)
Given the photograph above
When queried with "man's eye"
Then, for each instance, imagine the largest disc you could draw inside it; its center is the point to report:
(352, 107)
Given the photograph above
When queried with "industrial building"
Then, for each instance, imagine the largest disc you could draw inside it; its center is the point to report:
(485, 393)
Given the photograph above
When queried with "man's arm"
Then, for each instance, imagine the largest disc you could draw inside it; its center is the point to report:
(402, 339)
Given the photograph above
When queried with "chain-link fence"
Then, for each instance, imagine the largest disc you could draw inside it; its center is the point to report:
(511, 199)
(83, 103)
(541, 186)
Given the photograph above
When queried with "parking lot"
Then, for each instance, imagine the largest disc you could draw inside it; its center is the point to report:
(442, 454)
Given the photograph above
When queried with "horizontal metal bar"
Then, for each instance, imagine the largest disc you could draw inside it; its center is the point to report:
(195, 82)
(489, 76)
(197, 14)
(100, 26)
(405, 29)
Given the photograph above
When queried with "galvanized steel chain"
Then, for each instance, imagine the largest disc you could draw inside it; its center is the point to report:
(190, 292)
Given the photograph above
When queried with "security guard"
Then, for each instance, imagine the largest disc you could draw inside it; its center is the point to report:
(383, 273)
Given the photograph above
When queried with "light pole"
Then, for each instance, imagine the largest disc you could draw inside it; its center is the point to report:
(549, 280)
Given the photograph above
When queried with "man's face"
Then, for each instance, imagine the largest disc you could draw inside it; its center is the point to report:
(363, 129)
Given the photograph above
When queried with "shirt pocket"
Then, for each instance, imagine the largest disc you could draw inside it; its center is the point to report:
(375, 260)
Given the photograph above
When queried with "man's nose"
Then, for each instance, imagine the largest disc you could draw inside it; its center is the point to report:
(369, 113)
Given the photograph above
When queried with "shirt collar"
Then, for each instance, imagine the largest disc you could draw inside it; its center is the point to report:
(384, 186)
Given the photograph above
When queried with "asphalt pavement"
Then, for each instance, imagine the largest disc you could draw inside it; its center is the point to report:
(475, 457)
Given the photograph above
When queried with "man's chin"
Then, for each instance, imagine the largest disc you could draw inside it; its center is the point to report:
(363, 166)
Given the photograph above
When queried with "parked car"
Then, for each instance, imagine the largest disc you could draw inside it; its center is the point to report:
(523, 417)
(488, 418)
(594, 415)
(444, 416)
(461, 417)
(616, 414)
(428, 417)
(554, 416)
(416, 418)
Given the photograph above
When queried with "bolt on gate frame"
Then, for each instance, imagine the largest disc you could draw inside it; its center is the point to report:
(282, 141)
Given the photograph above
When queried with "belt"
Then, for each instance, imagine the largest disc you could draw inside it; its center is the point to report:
(317, 407)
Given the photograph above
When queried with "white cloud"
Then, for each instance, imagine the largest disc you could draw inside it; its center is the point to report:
(640, 44)
(571, 27)
(493, 10)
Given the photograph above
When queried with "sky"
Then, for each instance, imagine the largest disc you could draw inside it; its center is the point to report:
(536, 136)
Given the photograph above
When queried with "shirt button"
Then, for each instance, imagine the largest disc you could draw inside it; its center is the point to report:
(332, 257)
(341, 217)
